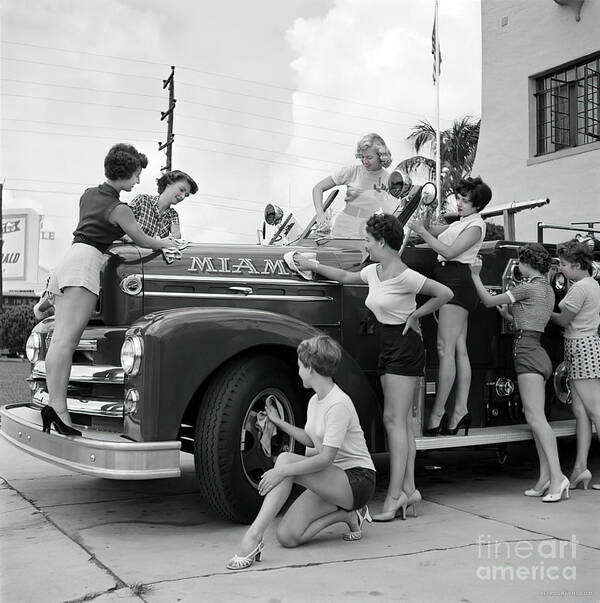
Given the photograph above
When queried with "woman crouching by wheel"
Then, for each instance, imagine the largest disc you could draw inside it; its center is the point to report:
(393, 287)
(337, 471)
(532, 304)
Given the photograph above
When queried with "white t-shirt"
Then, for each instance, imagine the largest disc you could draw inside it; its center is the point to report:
(457, 228)
(393, 300)
(366, 190)
(583, 298)
(333, 421)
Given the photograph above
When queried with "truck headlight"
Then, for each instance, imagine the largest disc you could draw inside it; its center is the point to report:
(132, 351)
(504, 387)
(33, 347)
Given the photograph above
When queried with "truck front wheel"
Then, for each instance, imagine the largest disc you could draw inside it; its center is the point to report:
(228, 454)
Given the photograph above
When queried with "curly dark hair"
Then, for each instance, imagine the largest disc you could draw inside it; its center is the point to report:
(386, 227)
(174, 176)
(576, 252)
(122, 161)
(536, 256)
(476, 191)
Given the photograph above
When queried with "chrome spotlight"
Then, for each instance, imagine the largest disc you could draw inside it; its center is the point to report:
(561, 383)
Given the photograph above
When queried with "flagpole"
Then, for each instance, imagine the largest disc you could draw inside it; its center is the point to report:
(438, 161)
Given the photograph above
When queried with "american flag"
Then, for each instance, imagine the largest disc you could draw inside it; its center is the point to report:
(435, 48)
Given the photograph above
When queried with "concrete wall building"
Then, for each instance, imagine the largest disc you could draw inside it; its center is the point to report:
(540, 132)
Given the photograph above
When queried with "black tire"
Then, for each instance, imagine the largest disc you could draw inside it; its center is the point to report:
(227, 453)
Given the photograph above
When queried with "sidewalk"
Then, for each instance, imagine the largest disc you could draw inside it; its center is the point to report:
(68, 537)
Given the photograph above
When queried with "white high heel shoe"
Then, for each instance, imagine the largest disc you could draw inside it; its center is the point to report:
(550, 498)
(239, 563)
(583, 478)
(540, 492)
(362, 517)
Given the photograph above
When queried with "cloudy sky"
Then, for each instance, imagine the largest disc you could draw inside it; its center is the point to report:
(271, 96)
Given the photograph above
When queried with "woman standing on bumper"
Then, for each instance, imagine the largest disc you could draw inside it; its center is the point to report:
(392, 290)
(580, 316)
(532, 304)
(457, 246)
(75, 283)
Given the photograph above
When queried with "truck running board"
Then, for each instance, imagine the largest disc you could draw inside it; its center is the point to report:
(96, 453)
(493, 435)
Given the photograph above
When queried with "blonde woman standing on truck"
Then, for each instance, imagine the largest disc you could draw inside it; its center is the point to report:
(367, 188)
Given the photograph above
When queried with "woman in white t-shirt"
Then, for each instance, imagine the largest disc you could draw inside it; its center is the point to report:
(337, 470)
(392, 290)
(457, 246)
(580, 316)
(367, 189)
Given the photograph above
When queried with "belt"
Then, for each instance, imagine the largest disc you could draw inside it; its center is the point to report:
(527, 332)
(357, 212)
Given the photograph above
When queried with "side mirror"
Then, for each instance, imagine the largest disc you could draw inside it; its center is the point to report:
(428, 193)
(273, 214)
(399, 184)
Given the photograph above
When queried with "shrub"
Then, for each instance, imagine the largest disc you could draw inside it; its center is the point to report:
(16, 323)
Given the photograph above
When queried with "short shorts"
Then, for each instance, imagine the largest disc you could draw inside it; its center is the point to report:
(530, 356)
(80, 267)
(582, 356)
(457, 276)
(362, 484)
(400, 354)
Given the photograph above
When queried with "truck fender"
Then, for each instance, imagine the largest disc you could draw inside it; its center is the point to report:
(184, 347)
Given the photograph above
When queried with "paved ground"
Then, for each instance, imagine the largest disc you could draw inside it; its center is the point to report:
(68, 537)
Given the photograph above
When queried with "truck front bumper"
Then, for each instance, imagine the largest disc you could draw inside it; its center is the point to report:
(96, 453)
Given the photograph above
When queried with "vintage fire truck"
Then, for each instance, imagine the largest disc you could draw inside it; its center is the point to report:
(182, 356)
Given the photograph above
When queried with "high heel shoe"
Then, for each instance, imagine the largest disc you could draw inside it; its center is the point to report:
(50, 417)
(399, 509)
(434, 431)
(464, 422)
(583, 478)
(413, 500)
(550, 498)
(238, 563)
(366, 516)
(540, 492)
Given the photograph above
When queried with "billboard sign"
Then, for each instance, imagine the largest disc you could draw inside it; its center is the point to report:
(14, 248)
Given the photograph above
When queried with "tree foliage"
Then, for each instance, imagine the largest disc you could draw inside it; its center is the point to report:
(458, 145)
(16, 323)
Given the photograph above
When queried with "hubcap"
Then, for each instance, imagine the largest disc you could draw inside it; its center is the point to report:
(254, 459)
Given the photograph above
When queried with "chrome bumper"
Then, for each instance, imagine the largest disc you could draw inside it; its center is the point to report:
(96, 453)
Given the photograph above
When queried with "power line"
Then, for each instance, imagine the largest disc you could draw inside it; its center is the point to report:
(58, 123)
(92, 54)
(71, 135)
(64, 100)
(87, 89)
(286, 102)
(145, 77)
(222, 123)
(194, 70)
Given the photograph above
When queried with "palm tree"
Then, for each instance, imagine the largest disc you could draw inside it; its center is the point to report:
(458, 147)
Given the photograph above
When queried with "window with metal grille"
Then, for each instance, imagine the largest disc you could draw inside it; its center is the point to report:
(568, 106)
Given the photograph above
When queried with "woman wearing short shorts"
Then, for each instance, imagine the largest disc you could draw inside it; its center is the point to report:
(457, 246)
(532, 302)
(580, 316)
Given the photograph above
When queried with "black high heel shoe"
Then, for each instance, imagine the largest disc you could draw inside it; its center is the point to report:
(434, 431)
(50, 417)
(464, 422)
